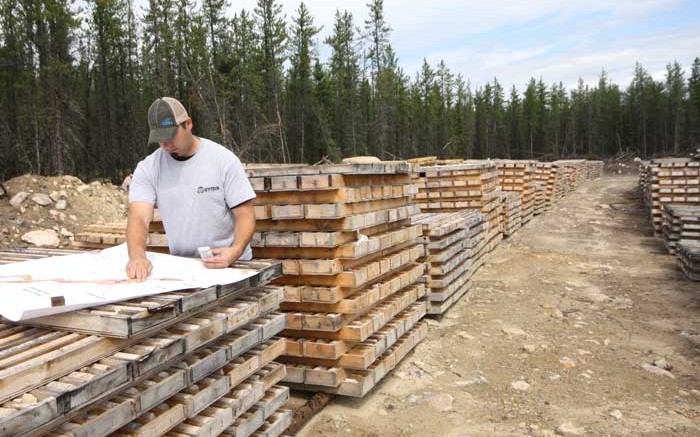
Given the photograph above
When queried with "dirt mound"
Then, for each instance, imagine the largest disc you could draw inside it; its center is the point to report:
(59, 205)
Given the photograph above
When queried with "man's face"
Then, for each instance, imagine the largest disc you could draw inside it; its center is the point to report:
(181, 143)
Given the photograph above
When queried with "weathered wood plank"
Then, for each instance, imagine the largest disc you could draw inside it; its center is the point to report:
(361, 355)
(359, 383)
(139, 361)
(350, 223)
(359, 275)
(362, 328)
(130, 318)
(385, 167)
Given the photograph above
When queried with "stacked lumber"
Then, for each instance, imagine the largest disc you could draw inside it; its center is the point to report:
(565, 176)
(449, 161)
(580, 167)
(102, 236)
(519, 176)
(688, 253)
(468, 185)
(670, 189)
(549, 174)
(563, 179)
(574, 171)
(566, 180)
(351, 269)
(196, 362)
(671, 181)
(595, 169)
(423, 160)
(433, 160)
(645, 182)
(8, 256)
(680, 222)
(511, 212)
(540, 198)
(451, 240)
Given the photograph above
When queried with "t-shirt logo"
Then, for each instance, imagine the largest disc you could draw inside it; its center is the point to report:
(167, 121)
(202, 190)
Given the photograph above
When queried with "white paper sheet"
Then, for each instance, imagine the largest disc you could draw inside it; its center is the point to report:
(96, 278)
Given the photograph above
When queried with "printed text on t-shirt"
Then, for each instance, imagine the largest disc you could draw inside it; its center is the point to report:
(201, 190)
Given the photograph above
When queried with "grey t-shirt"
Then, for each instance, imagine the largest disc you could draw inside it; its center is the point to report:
(194, 197)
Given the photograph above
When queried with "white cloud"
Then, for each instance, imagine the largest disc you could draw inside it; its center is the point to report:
(419, 22)
(466, 34)
(586, 61)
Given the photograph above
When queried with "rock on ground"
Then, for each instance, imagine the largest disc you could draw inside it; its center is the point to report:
(42, 199)
(570, 429)
(42, 238)
(18, 199)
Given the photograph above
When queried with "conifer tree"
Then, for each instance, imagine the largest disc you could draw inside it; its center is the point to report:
(300, 92)
(272, 33)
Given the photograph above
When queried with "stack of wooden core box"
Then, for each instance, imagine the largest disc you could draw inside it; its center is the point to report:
(451, 239)
(423, 160)
(548, 173)
(352, 274)
(568, 179)
(14, 255)
(581, 166)
(645, 182)
(449, 161)
(595, 169)
(468, 185)
(564, 176)
(680, 222)
(540, 198)
(510, 204)
(688, 253)
(519, 176)
(196, 362)
(671, 181)
(575, 173)
(101, 236)
(563, 185)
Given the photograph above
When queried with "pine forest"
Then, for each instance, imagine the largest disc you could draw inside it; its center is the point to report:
(77, 80)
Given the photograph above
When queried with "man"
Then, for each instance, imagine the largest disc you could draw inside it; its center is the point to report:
(201, 190)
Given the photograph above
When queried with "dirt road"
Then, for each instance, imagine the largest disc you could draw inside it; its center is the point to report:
(558, 336)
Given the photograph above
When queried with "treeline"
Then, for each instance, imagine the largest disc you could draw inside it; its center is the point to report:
(75, 88)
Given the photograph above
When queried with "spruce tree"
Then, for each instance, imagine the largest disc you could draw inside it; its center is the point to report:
(300, 92)
(272, 32)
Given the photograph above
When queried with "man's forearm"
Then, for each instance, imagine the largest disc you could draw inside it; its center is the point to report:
(138, 267)
(245, 227)
(136, 235)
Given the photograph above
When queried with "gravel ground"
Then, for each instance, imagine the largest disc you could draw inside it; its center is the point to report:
(579, 324)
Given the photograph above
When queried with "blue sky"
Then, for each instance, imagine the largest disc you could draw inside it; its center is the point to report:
(559, 40)
(513, 40)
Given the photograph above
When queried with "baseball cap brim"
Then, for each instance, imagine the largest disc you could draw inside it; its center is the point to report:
(162, 134)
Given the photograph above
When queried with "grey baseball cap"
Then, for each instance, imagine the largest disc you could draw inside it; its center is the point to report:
(164, 116)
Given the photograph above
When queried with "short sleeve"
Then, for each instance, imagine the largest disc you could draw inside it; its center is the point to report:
(236, 184)
(142, 188)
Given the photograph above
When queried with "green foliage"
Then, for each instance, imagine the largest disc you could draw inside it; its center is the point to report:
(302, 117)
(74, 95)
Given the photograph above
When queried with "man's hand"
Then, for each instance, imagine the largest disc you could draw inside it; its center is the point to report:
(139, 268)
(223, 257)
